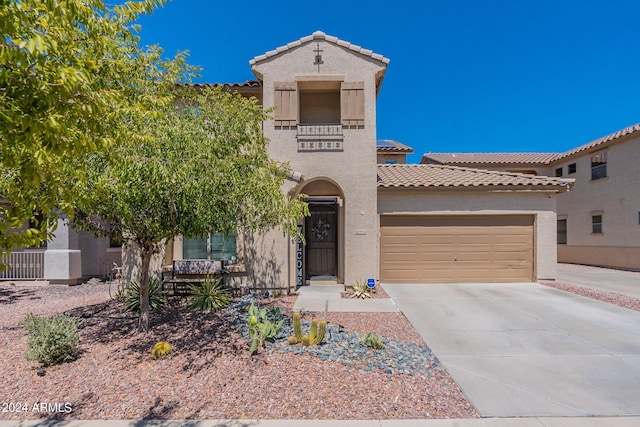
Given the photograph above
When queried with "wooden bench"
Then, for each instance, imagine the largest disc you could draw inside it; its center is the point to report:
(186, 272)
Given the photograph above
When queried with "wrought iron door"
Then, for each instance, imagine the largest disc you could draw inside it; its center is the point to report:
(321, 234)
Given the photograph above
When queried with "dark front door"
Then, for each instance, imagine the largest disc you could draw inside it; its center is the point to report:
(321, 234)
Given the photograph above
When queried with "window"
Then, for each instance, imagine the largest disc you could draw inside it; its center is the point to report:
(115, 242)
(559, 172)
(390, 161)
(217, 246)
(562, 231)
(36, 222)
(572, 168)
(596, 224)
(598, 166)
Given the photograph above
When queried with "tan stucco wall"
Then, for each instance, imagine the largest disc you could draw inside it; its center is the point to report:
(540, 205)
(353, 170)
(617, 196)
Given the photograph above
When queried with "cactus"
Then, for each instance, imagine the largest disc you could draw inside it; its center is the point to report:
(161, 349)
(261, 328)
(316, 332)
(297, 328)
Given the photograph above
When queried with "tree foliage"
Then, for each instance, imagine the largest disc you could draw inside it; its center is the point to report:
(73, 81)
(206, 170)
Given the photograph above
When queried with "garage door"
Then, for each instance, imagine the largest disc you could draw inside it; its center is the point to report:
(449, 249)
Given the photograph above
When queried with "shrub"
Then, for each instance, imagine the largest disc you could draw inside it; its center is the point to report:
(160, 350)
(209, 295)
(51, 340)
(156, 295)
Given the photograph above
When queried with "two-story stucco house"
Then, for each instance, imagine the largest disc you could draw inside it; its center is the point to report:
(599, 219)
(373, 215)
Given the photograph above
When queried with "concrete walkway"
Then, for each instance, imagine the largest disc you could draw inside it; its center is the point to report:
(317, 297)
(527, 350)
(604, 279)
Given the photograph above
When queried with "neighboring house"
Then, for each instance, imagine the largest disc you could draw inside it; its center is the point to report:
(373, 215)
(599, 219)
(392, 152)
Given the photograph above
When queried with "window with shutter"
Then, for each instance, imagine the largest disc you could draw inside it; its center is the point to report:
(352, 105)
(286, 103)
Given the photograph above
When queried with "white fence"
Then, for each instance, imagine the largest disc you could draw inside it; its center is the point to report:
(22, 265)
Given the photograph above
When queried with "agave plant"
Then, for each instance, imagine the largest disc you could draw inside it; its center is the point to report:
(208, 295)
(156, 295)
(360, 290)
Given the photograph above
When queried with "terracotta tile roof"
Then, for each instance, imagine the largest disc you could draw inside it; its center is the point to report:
(489, 158)
(389, 145)
(319, 35)
(601, 141)
(438, 176)
(524, 158)
(248, 83)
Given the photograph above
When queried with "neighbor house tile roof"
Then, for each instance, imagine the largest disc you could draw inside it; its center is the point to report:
(601, 141)
(524, 158)
(389, 145)
(493, 158)
(319, 35)
(434, 176)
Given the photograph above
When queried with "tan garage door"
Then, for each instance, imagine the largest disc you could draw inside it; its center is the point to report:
(449, 249)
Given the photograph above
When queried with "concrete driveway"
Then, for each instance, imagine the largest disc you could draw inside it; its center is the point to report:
(529, 350)
(604, 279)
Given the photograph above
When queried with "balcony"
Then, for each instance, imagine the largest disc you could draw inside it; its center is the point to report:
(320, 137)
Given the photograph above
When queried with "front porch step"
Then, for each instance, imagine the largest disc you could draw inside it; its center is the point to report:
(323, 280)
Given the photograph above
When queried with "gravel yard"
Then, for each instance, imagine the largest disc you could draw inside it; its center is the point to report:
(210, 373)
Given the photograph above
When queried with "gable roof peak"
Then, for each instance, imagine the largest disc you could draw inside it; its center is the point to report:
(319, 35)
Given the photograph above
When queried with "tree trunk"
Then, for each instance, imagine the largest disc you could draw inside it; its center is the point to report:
(143, 321)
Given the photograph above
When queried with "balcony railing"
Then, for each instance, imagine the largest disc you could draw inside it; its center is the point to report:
(320, 137)
(23, 265)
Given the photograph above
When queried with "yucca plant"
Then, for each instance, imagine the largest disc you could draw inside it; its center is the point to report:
(156, 295)
(208, 295)
(360, 290)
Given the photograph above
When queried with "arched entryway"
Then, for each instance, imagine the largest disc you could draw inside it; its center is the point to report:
(323, 231)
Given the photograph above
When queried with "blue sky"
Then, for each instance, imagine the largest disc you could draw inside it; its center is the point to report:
(464, 76)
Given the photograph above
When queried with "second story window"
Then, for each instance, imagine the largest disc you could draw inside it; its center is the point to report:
(598, 166)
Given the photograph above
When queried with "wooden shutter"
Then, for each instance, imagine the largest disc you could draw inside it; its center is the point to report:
(286, 103)
(352, 104)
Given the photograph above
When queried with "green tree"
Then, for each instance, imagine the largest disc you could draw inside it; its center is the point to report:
(73, 80)
(206, 170)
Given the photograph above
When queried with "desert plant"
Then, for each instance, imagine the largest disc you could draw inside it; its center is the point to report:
(372, 340)
(156, 295)
(160, 350)
(51, 340)
(208, 295)
(360, 290)
(261, 328)
(316, 331)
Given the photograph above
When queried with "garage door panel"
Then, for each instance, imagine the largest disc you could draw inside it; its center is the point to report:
(428, 249)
